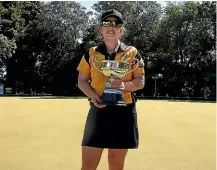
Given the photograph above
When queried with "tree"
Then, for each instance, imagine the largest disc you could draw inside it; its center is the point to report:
(11, 25)
(41, 44)
(64, 26)
(186, 45)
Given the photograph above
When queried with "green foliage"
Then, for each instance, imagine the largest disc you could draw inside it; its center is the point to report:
(41, 44)
(11, 25)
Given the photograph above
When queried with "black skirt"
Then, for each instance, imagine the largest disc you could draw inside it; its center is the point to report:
(113, 127)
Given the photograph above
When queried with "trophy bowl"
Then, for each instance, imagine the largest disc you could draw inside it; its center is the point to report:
(113, 69)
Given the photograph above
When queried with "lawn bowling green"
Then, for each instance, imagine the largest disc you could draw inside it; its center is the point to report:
(45, 134)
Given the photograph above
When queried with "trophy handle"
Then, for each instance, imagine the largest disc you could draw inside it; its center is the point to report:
(124, 58)
(94, 59)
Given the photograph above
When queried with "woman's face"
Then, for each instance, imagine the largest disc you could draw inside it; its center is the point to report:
(110, 29)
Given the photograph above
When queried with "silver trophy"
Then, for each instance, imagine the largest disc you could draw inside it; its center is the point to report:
(113, 69)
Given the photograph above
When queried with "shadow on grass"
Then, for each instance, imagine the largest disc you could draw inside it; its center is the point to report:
(194, 101)
(160, 98)
(154, 99)
(54, 97)
(181, 100)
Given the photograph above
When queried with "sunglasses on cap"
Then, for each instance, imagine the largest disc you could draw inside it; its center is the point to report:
(107, 23)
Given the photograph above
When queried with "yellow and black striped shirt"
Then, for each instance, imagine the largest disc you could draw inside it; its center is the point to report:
(96, 54)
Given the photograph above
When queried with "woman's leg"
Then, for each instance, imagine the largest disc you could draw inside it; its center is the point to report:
(116, 158)
(90, 157)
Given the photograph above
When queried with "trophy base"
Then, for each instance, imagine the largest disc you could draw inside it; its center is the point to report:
(112, 97)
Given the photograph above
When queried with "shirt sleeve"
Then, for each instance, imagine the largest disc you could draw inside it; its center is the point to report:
(138, 64)
(84, 65)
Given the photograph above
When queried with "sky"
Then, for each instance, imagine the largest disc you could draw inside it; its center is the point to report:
(89, 4)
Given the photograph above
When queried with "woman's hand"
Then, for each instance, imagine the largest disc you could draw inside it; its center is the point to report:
(96, 100)
(118, 83)
(136, 83)
(86, 89)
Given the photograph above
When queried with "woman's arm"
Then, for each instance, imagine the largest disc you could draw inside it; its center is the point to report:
(84, 86)
(138, 82)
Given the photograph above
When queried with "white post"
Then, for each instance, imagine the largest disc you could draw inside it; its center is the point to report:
(155, 86)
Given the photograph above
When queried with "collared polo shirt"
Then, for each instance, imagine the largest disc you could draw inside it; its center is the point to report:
(90, 65)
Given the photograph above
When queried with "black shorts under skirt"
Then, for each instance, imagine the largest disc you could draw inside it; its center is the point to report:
(113, 127)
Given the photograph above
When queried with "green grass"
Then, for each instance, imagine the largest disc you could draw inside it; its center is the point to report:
(45, 134)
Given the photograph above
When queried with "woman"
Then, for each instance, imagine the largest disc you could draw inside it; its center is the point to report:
(111, 127)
